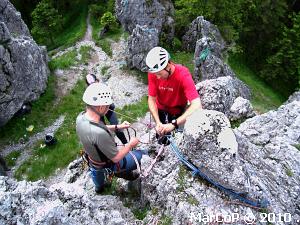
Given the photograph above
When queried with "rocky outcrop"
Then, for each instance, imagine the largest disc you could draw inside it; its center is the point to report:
(63, 203)
(228, 95)
(198, 29)
(209, 48)
(147, 22)
(140, 43)
(259, 159)
(209, 62)
(23, 70)
(12, 19)
(153, 14)
(265, 167)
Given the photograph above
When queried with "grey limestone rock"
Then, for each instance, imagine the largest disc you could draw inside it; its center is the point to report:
(220, 94)
(200, 28)
(24, 70)
(63, 203)
(151, 13)
(12, 19)
(140, 43)
(147, 22)
(264, 166)
(209, 62)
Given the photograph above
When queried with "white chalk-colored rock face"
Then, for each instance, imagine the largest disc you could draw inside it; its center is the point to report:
(202, 121)
(227, 140)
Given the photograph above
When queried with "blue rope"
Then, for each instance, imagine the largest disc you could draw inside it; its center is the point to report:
(196, 171)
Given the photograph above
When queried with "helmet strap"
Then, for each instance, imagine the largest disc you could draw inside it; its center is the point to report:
(169, 72)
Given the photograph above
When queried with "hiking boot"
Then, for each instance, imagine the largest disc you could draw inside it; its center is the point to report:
(99, 190)
(135, 186)
(127, 175)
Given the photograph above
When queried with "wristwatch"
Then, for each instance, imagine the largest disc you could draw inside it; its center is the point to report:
(174, 122)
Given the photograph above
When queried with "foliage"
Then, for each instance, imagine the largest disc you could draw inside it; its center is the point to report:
(184, 58)
(227, 15)
(284, 65)
(74, 28)
(265, 31)
(108, 20)
(97, 10)
(46, 22)
(264, 22)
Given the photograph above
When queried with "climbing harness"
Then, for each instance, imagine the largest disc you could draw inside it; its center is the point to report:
(197, 171)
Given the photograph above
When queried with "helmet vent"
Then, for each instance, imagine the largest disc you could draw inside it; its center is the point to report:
(162, 62)
(95, 98)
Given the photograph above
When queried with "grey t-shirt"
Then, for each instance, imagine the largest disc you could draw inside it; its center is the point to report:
(91, 134)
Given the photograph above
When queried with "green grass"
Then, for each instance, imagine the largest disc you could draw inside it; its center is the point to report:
(40, 117)
(45, 161)
(85, 52)
(74, 30)
(133, 111)
(12, 157)
(141, 213)
(263, 97)
(104, 70)
(184, 58)
(64, 62)
(165, 220)
(182, 174)
(69, 59)
(105, 42)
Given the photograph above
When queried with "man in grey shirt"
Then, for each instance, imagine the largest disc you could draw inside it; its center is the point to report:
(98, 142)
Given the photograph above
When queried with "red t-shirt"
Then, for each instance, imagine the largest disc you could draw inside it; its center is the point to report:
(173, 93)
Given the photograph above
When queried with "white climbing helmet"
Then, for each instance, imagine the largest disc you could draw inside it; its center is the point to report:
(157, 59)
(97, 94)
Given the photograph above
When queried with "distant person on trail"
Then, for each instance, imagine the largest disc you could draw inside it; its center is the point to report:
(103, 157)
(172, 92)
(110, 115)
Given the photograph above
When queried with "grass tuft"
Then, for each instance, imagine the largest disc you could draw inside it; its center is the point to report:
(45, 161)
(134, 111)
(263, 97)
(12, 157)
(63, 62)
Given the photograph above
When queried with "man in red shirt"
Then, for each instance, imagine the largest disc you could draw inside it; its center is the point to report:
(170, 89)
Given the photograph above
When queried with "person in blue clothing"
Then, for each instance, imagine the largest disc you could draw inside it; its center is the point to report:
(111, 116)
(103, 155)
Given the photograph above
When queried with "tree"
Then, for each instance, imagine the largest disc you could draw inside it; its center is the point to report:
(108, 20)
(46, 22)
(284, 65)
(226, 14)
